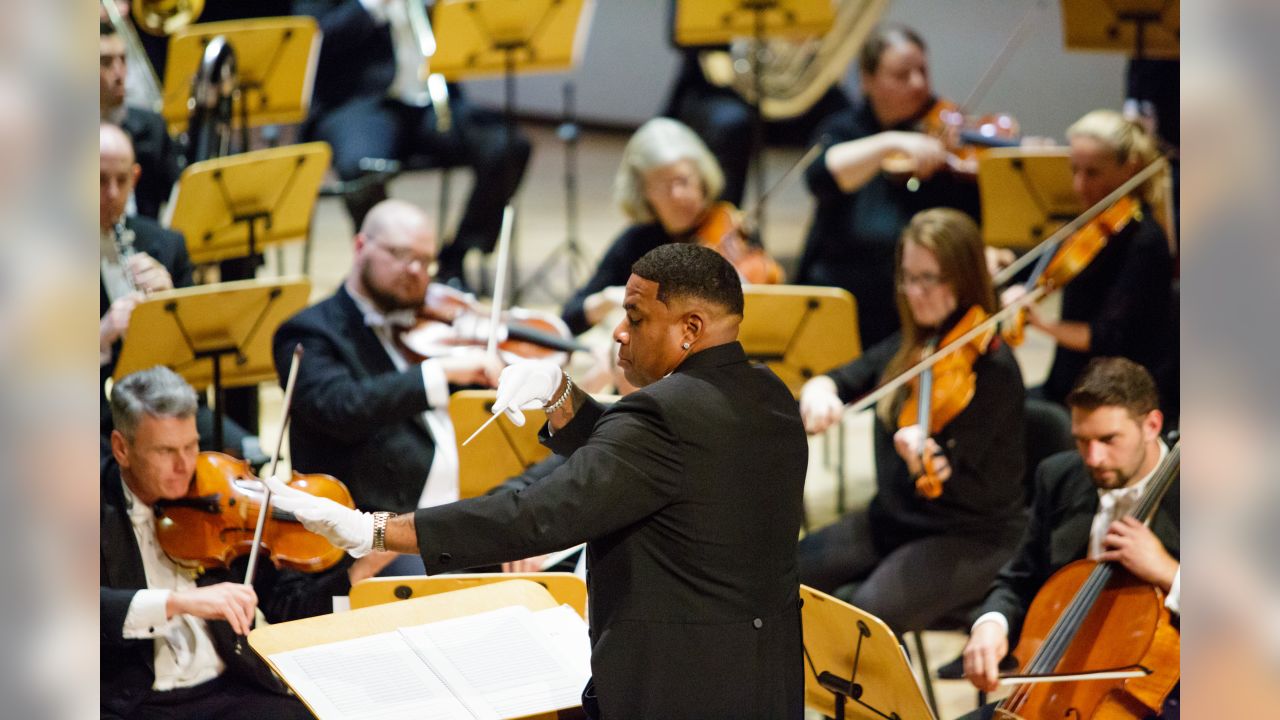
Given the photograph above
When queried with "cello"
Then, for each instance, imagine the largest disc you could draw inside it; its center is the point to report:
(1097, 642)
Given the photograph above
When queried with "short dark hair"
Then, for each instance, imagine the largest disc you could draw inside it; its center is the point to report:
(1115, 381)
(685, 270)
(881, 38)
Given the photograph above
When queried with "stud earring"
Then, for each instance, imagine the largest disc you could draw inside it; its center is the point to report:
(685, 346)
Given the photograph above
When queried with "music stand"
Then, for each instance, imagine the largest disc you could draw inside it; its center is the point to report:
(192, 330)
(1026, 194)
(267, 640)
(275, 62)
(232, 207)
(854, 665)
(481, 38)
(799, 331)
(702, 23)
(566, 588)
(500, 452)
(1147, 28)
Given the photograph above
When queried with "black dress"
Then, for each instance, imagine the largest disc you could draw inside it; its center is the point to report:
(852, 238)
(912, 561)
(1125, 295)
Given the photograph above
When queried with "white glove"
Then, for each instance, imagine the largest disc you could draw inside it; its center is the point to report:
(909, 440)
(820, 405)
(348, 529)
(527, 384)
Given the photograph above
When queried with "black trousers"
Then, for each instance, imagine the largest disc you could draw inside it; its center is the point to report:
(225, 698)
(372, 127)
(909, 587)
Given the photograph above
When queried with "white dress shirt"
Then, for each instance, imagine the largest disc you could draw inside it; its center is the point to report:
(185, 655)
(1112, 505)
(442, 479)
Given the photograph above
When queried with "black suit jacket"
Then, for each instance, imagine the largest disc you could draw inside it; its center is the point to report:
(1061, 515)
(169, 249)
(354, 415)
(157, 154)
(127, 667)
(689, 494)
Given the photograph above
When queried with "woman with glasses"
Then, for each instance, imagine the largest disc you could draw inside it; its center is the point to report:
(860, 210)
(666, 184)
(906, 559)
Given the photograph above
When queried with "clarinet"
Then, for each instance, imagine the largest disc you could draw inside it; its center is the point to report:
(124, 238)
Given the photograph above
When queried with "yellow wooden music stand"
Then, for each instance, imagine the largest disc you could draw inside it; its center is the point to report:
(500, 452)
(1145, 28)
(212, 335)
(854, 665)
(307, 632)
(799, 331)
(706, 23)
(492, 37)
(275, 62)
(566, 588)
(1026, 194)
(234, 206)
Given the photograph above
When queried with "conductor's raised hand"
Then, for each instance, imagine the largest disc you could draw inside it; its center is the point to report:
(351, 530)
(525, 385)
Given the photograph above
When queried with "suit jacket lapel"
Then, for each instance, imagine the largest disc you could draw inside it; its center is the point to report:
(123, 560)
(367, 354)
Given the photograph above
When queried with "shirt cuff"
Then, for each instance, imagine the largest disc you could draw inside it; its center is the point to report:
(376, 10)
(1173, 600)
(147, 617)
(994, 617)
(437, 385)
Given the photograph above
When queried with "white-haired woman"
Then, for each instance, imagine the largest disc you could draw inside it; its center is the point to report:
(667, 182)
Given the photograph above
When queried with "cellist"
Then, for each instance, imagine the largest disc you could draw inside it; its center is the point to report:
(1081, 501)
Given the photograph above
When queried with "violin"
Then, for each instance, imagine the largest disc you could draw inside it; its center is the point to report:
(1073, 256)
(450, 319)
(214, 523)
(965, 138)
(943, 391)
(1097, 642)
(721, 230)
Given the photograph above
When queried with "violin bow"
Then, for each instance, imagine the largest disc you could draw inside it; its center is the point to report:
(500, 282)
(1080, 221)
(1002, 58)
(499, 290)
(1025, 301)
(751, 214)
(275, 461)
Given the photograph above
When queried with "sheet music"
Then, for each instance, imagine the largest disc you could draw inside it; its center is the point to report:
(378, 677)
(507, 659)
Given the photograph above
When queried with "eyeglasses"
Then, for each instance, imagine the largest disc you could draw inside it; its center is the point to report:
(924, 281)
(406, 257)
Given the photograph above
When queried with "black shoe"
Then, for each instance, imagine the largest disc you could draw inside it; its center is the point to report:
(954, 670)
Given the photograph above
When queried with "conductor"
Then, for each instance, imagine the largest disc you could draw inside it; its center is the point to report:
(687, 491)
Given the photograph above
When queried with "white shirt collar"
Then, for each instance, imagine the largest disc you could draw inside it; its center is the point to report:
(375, 318)
(1130, 493)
